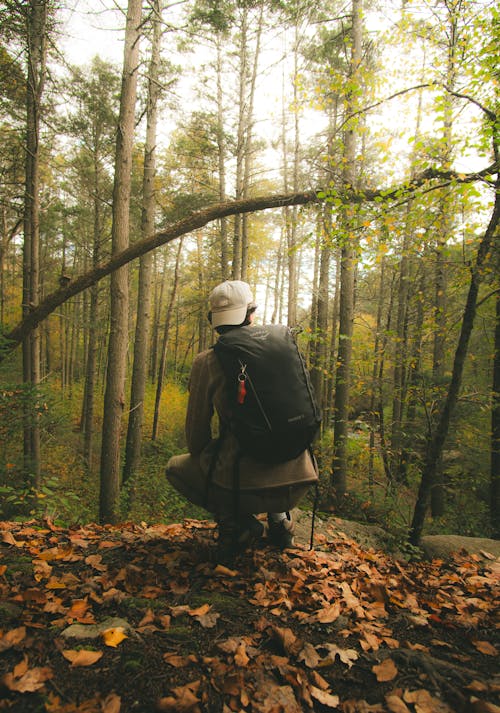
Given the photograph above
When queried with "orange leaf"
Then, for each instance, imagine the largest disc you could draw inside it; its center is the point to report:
(3, 569)
(12, 637)
(385, 671)
(82, 657)
(486, 648)
(114, 636)
(111, 704)
(240, 657)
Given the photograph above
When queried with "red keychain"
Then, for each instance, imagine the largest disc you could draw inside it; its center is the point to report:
(242, 389)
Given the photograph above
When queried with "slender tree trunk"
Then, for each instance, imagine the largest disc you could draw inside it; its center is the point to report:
(221, 153)
(36, 26)
(143, 318)
(377, 356)
(164, 348)
(400, 359)
(347, 274)
(495, 427)
(318, 354)
(114, 397)
(434, 448)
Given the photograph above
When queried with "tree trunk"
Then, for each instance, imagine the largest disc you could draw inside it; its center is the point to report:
(143, 318)
(435, 446)
(221, 154)
(495, 427)
(36, 23)
(164, 348)
(347, 273)
(114, 397)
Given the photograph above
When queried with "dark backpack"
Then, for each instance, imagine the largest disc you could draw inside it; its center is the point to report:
(274, 414)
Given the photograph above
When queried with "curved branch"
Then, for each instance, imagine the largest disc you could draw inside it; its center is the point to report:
(200, 218)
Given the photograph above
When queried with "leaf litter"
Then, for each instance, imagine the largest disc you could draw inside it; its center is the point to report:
(337, 628)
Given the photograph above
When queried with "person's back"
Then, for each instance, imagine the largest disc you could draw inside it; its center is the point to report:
(217, 473)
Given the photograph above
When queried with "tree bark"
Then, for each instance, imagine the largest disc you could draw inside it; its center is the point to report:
(166, 333)
(435, 446)
(495, 427)
(143, 317)
(347, 275)
(114, 397)
(36, 40)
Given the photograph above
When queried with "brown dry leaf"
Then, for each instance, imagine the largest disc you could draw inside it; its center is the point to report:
(178, 661)
(81, 657)
(396, 705)
(240, 656)
(111, 704)
(95, 561)
(286, 637)
(225, 571)
(9, 539)
(478, 706)
(386, 671)
(347, 656)
(32, 680)
(184, 700)
(200, 610)
(309, 656)
(114, 636)
(12, 637)
(320, 681)
(326, 699)
(486, 648)
(3, 569)
(148, 618)
(425, 703)
(208, 620)
(79, 607)
(328, 614)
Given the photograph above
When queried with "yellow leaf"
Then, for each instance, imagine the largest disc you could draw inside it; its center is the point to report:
(114, 636)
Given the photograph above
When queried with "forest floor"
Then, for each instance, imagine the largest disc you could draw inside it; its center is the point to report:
(138, 618)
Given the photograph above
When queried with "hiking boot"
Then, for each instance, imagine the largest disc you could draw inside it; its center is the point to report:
(234, 540)
(281, 533)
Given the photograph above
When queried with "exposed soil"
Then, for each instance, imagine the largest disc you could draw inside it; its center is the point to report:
(140, 618)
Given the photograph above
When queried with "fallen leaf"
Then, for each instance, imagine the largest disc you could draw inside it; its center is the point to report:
(309, 656)
(31, 681)
(114, 636)
(184, 700)
(12, 637)
(111, 704)
(325, 698)
(81, 657)
(478, 706)
(328, 614)
(347, 656)
(486, 648)
(240, 656)
(396, 705)
(386, 671)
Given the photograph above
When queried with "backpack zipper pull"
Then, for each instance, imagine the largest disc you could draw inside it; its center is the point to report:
(242, 389)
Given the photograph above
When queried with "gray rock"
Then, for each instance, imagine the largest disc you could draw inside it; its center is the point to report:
(93, 631)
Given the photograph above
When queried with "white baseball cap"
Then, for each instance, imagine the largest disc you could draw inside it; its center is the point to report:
(229, 302)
